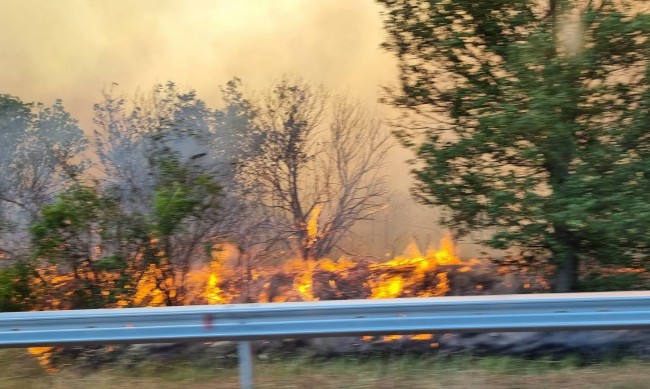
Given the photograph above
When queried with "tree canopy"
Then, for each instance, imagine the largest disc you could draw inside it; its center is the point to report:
(41, 154)
(532, 119)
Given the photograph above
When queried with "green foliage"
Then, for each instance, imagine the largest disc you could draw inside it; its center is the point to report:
(67, 234)
(181, 195)
(595, 282)
(539, 134)
(172, 205)
(111, 263)
(59, 233)
(16, 291)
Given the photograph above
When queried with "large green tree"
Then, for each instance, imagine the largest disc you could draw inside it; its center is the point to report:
(533, 121)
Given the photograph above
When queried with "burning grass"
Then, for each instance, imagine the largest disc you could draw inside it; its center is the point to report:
(436, 272)
(228, 278)
(18, 370)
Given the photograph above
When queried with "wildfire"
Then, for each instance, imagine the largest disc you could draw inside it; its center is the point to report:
(44, 357)
(417, 268)
(304, 282)
(446, 255)
(387, 287)
(312, 223)
(411, 274)
(149, 291)
(224, 281)
(342, 266)
(214, 293)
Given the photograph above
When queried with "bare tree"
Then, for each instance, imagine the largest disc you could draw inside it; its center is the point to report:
(319, 166)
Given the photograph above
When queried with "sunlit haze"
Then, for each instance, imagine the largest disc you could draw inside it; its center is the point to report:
(73, 49)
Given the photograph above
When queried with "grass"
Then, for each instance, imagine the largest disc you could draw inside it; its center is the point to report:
(20, 371)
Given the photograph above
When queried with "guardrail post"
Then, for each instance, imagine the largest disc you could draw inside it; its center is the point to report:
(245, 354)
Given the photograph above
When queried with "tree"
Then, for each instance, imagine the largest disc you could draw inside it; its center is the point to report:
(42, 153)
(70, 233)
(16, 290)
(153, 162)
(236, 137)
(316, 167)
(536, 123)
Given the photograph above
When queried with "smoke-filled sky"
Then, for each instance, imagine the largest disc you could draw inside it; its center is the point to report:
(72, 49)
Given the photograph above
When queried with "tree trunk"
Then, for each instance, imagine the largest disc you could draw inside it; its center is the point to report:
(566, 275)
(566, 259)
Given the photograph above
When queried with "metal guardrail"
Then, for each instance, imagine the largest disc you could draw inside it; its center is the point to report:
(244, 322)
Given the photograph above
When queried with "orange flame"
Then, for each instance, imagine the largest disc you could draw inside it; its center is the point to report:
(44, 357)
(413, 268)
(312, 223)
(148, 291)
(412, 274)
(214, 293)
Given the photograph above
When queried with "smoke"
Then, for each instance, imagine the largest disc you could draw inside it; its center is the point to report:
(72, 50)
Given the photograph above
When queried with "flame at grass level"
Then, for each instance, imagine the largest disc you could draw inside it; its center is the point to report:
(44, 357)
(391, 285)
(412, 274)
(224, 279)
(214, 293)
(231, 277)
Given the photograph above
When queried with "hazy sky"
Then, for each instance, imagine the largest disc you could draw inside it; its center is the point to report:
(71, 49)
